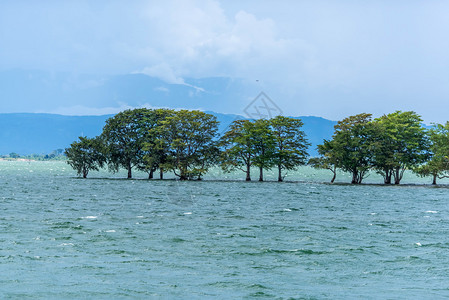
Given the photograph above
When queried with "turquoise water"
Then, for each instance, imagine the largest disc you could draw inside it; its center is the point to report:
(107, 238)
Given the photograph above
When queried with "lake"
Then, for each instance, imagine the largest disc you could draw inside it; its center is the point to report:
(110, 238)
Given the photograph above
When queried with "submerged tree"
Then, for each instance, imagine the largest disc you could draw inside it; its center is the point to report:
(188, 137)
(125, 135)
(328, 159)
(86, 155)
(264, 145)
(278, 142)
(290, 144)
(154, 156)
(351, 146)
(438, 165)
(400, 144)
(239, 149)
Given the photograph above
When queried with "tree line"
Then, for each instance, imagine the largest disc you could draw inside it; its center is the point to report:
(57, 154)
(187, 143)
(388, 145)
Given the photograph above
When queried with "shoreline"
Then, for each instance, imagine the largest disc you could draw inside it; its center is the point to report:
(16, 159)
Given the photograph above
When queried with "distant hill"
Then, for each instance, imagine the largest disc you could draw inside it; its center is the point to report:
(28, 133)
(317, 129)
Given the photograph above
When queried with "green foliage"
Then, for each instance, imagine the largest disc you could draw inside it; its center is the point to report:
(438, 165)
(264, 143)
(400, 143)
(351, 146)
(125, 135)
(290, 144)
(85, 155)
(14, 155)
(264, 146)
(185, 143)
(390, 144)
(239, 147)
(43, 157)
(154, 156)
(187, 139)
(329, 158)
(323, 162)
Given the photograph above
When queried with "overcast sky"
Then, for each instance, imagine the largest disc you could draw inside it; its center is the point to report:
(323, 58)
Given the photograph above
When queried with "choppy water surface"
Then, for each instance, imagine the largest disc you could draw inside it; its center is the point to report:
(64, 237)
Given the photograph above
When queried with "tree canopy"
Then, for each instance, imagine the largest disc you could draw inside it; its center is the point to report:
(86, 155)
(187, 143)
(155, 156)
(238, 145)
(351, 146)
(290, 144)
(400, 143)
(124, 136)
(328, 159)
(389, 145)
(438, 165)
(188, 137)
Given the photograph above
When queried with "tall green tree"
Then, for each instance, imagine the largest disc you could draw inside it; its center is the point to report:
(328, 159)
(264, 145)
(290, 144)
(438, 165)
(125, 135)
(239, 150)
(352, 146)
(85, 155)
(400, 144)
(154, 155)
(189, 137)
(383, 162)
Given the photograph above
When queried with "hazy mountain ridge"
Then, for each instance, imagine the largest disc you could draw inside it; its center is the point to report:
(29, 133)
(69, 94)
(89, 94)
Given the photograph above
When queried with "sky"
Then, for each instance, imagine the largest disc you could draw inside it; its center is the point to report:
(321, 58)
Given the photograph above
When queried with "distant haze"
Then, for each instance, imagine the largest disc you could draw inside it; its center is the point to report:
(321, 58)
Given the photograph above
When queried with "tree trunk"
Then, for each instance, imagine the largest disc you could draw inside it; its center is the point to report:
(354, 177)
(248, 173)
(150, 175)
(397, 179)
(183, 175)
(161, 173)
(387, 178)
(333, 177)
(360, 178)
(434, 182)
(280, 179)
(85, 174)
(129, 172)
(260, 174)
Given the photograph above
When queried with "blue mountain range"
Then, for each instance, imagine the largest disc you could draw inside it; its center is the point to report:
(31, 133)
(65, 93)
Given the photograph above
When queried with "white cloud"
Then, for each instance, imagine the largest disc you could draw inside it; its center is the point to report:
(80, 110)
(316, 57)
(162, 71)
(171, 40)
(162, 89)
(202, 41)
